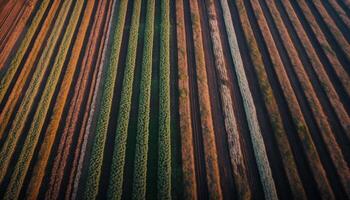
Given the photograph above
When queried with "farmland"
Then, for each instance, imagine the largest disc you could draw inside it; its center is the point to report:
(165, 99)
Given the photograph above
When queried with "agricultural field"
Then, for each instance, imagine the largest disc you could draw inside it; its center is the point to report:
(174, 99)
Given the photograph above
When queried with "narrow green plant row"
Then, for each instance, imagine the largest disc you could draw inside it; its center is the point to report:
(25, 107)
(109, 77)
(31, 140)
(164, 162)
(115, 187)
(15, 62)
(141, 148)
(95, 99)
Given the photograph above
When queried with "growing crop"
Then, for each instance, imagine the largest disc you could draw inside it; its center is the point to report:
(118, 158)
(28, 147)
(11, 22)
(50, 134)
(141, 148)
(321, 73)
(339, 37)
(340, 12)
(98, 98)
(95, 101)
(315, 105)
(293, 105)
(95, 162)
(273, 112)
(97, 38)
(24, 109)
(16, 61)
(164, 142)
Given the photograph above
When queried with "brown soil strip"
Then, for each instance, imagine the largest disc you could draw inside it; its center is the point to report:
(188, 162)
(293, 104)
(202, 190)
(205, 99)
(325, 91)
(177, 181)
(10, 18)
(315, 107)
(15, 34)
(5, 10)
(336, 41)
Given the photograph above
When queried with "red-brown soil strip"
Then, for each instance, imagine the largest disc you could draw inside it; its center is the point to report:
(188, 160)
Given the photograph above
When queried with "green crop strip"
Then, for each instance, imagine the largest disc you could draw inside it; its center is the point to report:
(118, 160)
(95, 162)
(164, 162)
(140, 171)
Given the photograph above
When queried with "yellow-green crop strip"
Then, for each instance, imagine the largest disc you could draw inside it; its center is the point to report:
(110, 75)
(141, 151)
(115, 186)
(24, 109)
(164, 159)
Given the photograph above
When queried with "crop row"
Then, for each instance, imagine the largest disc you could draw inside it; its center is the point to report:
(321, 73)
(6, 47)
(109, 78)
(51, 131)
(11, 22)
(17, 59)
(118, 157)
(330, 54)
(97, 38)
(233, 137)
(164, 142)
(253, 124)
(294, 107)
(141, 148)
(95, 101)
(71, 121)
(24, 108)
(211, 160)
(337, 34)
(340, 12)
(315, 104)
(188, 166)
(32, 138)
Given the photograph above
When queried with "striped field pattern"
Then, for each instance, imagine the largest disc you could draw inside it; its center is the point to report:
(174, 99)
